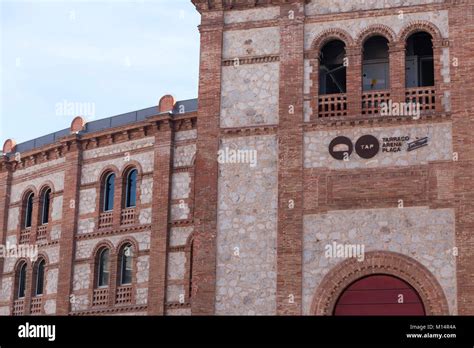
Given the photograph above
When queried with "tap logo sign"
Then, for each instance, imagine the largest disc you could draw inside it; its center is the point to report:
(368, 146)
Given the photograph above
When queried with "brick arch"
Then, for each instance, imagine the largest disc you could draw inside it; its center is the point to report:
(41, 256)
(380, 262)
(329, 35)
(109, 169)
(29, 189)
(45, 185)
(375, 30)
(132, 164)
(127, 240)
(102, 244)
(419, 26)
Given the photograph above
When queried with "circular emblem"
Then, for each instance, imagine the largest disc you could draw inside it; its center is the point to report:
(367, 146)
(340, 148)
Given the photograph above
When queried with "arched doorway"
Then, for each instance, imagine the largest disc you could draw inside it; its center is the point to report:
(379, 295)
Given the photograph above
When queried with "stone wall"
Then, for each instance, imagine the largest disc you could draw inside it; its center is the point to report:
(184, 155)
(252, 15)
(13, 218)
(180, 186)
(246, 239)
(37, 167)
(251, 42)
(439, 148)
(84, 248)
(18, 189)
(250, 95)
(426, 235)
(119, 148)
(317, 7)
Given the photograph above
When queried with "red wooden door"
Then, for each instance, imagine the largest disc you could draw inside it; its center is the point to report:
(379, 295)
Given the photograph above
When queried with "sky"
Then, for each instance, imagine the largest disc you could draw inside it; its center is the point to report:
(96, 58)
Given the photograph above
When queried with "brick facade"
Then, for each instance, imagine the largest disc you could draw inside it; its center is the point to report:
(222, 236)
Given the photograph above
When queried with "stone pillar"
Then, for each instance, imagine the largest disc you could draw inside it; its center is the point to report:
(354, 81)
(290, 168)
(438, 77)
(72, 149)
(397, 72)
(162, 171)
(205, 215)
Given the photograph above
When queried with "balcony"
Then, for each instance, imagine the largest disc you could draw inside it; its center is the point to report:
(371, 102)
(124, 295)
(19, 307)
(332, 105)
(100, 297)
(25, 235)
(106, 219)
(36, 305)
(42, 233)
(128, 216)
(425, 97)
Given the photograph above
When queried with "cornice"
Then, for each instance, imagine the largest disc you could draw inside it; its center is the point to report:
(226, 5)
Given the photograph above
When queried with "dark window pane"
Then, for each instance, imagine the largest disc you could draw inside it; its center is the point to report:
(126, 266)
(332, 70)
(109, 192)
(131, 189)
(40, 278)
(29, 210)
(103, 268)
(45, 206)
(22, 281)
(375, 65)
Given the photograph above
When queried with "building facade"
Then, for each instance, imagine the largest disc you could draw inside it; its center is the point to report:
(326, 167)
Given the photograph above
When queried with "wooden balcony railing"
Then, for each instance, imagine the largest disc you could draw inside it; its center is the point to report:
(128, 216)
(106, 219)
(25, 235)
(424, 97)
(124, 295)
(36, 305)
(332, 105)
(42, 233)
(371, 101)
(100, 297)
(19, 307)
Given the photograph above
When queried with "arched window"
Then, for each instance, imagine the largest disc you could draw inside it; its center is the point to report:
(375, 65)
(131, 189)
(39, 277)
(332, 70)
(419, 63)
(126, 265)
(103, 268)
(108, 193)
(45, 206)
(29, 210)
(21, 279)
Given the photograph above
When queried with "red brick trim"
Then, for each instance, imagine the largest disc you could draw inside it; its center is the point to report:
(380, 262)
(327, 36)
(420, 26)
(374, 30)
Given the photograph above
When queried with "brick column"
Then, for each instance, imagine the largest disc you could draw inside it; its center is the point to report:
(5, 190)
(397, 72)
(354, 81)
(205, 214)
(290, 169)
(461, 33)
(162, 170)
(73, 153)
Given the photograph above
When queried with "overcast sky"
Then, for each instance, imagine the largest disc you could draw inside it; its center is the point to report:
(103, 58)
